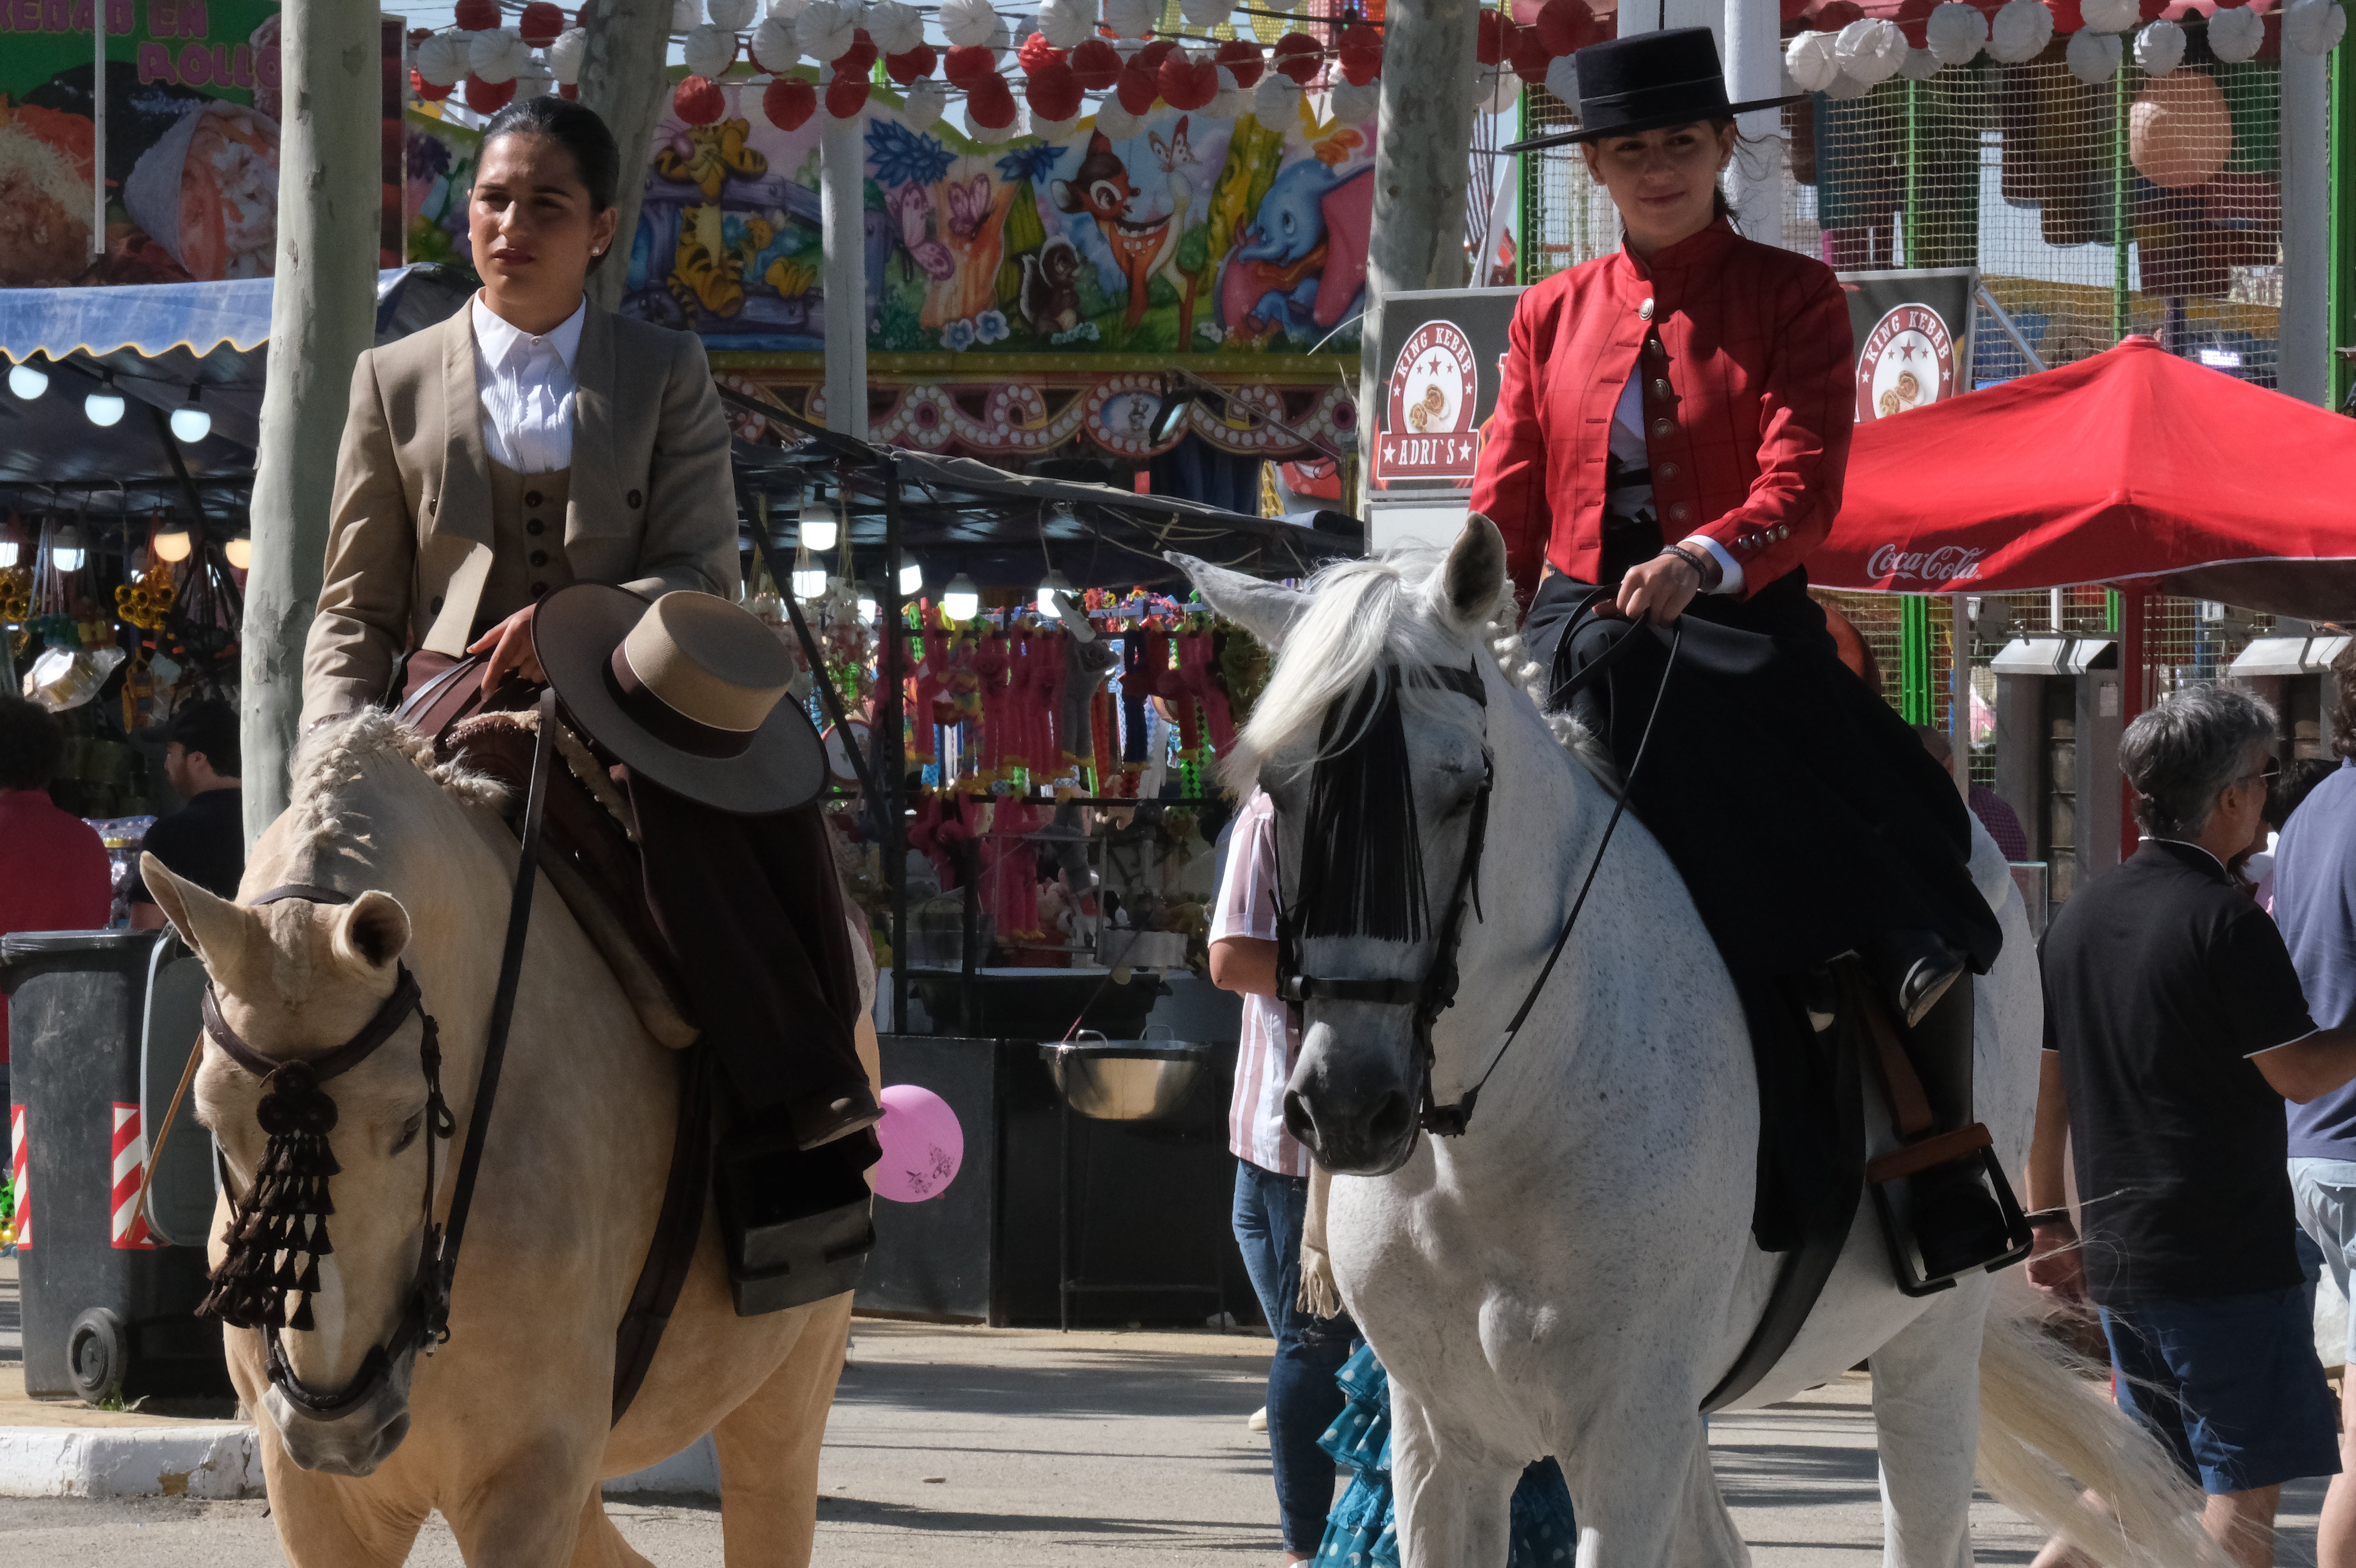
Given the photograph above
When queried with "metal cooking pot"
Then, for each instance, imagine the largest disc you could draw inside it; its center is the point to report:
(1126, 1080)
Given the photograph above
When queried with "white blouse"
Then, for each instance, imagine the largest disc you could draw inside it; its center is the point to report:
(527, 388)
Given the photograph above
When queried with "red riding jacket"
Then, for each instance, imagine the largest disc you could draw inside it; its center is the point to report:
(1748, 400)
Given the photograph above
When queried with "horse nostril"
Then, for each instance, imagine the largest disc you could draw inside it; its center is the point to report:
(1297, 1119)
(1390, 1121)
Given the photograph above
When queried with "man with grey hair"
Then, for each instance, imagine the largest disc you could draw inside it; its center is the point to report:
(2174, 1028)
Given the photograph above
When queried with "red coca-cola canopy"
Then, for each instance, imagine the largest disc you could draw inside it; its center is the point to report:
(2134, 467)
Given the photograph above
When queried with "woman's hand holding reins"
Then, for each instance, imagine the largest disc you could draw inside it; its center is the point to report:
(509, 645)
(1658, 590)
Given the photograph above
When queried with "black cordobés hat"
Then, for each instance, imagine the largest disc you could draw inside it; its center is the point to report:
(1647, 81)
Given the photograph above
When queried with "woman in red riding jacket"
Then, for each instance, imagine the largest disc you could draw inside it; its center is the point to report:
(1668, 446)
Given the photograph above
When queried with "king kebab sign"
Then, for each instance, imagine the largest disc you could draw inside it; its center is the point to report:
(1913, 335)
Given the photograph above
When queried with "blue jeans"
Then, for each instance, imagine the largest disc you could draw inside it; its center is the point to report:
(1303, 1397)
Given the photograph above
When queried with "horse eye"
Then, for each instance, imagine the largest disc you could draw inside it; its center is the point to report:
(409, 1131)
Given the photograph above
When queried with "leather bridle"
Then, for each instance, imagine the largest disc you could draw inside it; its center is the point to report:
(1435, 993)
(425, 1314)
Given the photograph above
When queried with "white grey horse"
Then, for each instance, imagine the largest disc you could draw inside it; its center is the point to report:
(1575, 1273)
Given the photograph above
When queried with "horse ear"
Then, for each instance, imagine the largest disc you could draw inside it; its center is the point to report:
(371, 933)
(1265, 610)
(215, 928)
(1474, 576)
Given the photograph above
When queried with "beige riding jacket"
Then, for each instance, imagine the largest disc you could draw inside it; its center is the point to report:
(650, 504)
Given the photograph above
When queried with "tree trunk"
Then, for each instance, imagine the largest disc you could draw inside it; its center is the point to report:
(623, 78)
(1421, 173)
(321, 314)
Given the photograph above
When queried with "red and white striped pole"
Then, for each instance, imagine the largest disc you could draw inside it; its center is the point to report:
(130, 1228)
(18, 1159)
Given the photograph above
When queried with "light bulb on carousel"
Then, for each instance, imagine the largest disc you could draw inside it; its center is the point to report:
(819, 531)
(238, 551)
(868, 608)
(8, 552)
(962, 601)
(27, 380)
(809, 578)
(66, 551)
(173, 544)
(1055, 583)
(190, 422)
(103, 406)
(912, 576)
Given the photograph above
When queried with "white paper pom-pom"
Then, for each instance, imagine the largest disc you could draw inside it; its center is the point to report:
(2314, 26)
(1117, 123)
(1276, 102)
(2093, 56)
(826, 29)
(2236, 33)
(896, 29)
(1809, 57)
(1870, 49)
(1498, 87)
(2110, 15)
(565, 55)
(442, 59)
(1206, 14)
(710, 50)
(1069, 24)
(2160, 48)
(1562, 77)
(1052, 130)
(496, 54)
(990, 135)
(2019, 31)
(1355, 104)
(1920, 65)
(1956, 32)
(926, 99)
(1131, 19)
(775, 49)
(968, 23)
(1847, 88)
(1001, 39)
(533, 79)
(734, 14)
(787, 10)
(685, 15)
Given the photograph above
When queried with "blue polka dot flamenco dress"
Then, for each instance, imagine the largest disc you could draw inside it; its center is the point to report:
(1361, 1532)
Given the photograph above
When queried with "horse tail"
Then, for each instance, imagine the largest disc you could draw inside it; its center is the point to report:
(2048, 1427)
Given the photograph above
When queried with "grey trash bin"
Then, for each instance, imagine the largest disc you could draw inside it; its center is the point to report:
(99, 1026)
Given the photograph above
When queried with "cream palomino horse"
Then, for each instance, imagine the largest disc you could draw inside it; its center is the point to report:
(507, 1427)
(1576, 1273)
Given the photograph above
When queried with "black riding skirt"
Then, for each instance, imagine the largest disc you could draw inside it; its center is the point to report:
(1802, 811)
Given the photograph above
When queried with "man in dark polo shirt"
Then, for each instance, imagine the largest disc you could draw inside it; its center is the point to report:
(204, 842)
(2174, 1028)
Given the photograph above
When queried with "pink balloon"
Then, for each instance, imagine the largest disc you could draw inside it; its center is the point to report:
(923, 1145)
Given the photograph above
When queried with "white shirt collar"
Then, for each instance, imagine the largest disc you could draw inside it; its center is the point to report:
(500, 339)
(2185, 844)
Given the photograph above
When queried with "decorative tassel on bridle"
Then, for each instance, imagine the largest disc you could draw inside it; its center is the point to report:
(1362, 855)
(277, 1236)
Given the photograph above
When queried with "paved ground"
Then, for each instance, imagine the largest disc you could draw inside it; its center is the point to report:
(1051, 1451)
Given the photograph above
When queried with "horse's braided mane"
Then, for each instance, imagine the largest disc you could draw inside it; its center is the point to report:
(1367, 617)
(331, 759)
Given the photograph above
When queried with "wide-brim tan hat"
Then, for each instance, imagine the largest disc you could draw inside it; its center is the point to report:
(689, 691)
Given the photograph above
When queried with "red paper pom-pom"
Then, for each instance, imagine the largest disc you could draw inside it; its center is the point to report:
(417, 36)
(1053, 92)
(430, 92)
(912, 65)
(1150, 57)
(1138, 89)
(1832, 16)
(860, 57)
(1242, 58)
(967, 66)
(1489, 38)
(1567, 26)
(1297, 56)
(475, 15)
(1187, 84)
(490, 97)
(1529, 56)
(990, 104)
(788, 102)
(568, 91)
(1361, 55)
(1793, 10)
(697, 101)
(540, 24)
(1096, 64)
(846, 95)
(1036, 52)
